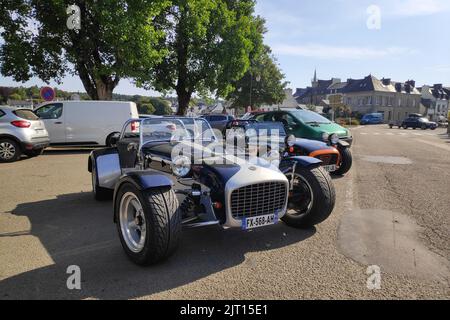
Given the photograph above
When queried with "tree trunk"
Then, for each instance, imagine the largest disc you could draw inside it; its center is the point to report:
(184, 98)
(104, 90)
(98, 88)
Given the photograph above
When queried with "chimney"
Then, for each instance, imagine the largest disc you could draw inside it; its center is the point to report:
(350, 81)
(438, 86)
(386, 81)
(398, 87)
(412, 83)
(408, 87)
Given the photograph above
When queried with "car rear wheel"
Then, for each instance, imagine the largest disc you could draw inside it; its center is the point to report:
(405, 127)
(100, 194)
(9, 150)
(346, 162)
(311, 199)
(148, 222)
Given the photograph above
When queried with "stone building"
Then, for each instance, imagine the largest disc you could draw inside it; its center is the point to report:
(436, 100)
(396, 100)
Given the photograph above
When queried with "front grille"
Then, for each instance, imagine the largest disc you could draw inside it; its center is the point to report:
(328, 159)
(258, 200)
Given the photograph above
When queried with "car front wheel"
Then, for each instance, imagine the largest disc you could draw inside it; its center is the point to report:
(346, 162)
(148, 222)
(9, 150)
(311, 199)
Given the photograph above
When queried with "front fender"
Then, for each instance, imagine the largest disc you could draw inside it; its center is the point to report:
(143, 180)
(287, 164)
(343, 144)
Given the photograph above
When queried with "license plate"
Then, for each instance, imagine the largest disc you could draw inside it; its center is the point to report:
(258, 222)
(330, 168)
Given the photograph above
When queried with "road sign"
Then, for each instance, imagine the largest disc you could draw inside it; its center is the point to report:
(48, 93)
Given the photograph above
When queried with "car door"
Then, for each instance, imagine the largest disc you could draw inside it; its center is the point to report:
(53, 117)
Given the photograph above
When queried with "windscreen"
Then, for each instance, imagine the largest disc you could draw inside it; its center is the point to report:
(310, 117)
(160, 130)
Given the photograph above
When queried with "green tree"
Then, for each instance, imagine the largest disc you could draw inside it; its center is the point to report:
(146, 108)
(263, 84)
(116, 40)
(162, 107)
(15, 96)
(209, 44)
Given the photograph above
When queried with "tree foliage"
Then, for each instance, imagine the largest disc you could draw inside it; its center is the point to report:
(116, 40)
(263, 83)
(209, 43)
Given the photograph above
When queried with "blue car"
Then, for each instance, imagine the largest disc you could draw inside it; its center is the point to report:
(372, 118)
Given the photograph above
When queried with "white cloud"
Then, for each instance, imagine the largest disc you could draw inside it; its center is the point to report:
(411, 8)
(339, 52)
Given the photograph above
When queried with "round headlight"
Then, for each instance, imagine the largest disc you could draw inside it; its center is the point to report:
(181, 166)
(290, 140)
(334, 138)
(325, 137)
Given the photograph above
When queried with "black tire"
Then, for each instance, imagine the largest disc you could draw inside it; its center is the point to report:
(346, 162)
(424, 127)
(34, 153)
(308, 213)
(108, 139)
(11, 146)
(405, 127)
(100, 194)
(162, 219)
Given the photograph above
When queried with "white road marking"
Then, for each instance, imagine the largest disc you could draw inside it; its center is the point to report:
(434, 144)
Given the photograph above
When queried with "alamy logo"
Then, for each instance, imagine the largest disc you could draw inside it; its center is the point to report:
(74, 19)
(374, 19)
(374, 280)
(74, 280)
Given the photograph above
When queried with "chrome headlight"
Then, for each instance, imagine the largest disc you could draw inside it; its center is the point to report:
(334, 138)
(325, 137)
(181, 166)
(290, 140)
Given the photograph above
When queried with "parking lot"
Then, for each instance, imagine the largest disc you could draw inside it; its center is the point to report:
(391, 212)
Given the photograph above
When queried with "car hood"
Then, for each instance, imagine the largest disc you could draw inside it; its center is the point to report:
(330, 128)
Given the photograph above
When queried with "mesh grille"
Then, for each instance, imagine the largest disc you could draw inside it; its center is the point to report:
(258, 200)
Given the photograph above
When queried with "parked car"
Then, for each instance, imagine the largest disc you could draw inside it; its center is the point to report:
(21, 132)
(329, 155)
(372, 118)
(310, 125)
(144, 172)
(419, 123)
(218, 121)
(85, 122)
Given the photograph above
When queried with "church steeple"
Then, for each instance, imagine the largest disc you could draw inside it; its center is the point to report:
(314, 81)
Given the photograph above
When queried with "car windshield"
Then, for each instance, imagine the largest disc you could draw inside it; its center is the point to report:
(310, 117)
(424, 120)
(198, 129)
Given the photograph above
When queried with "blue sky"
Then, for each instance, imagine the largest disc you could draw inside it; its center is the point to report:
(411, 40)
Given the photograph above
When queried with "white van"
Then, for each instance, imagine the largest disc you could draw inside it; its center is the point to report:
(85, 122)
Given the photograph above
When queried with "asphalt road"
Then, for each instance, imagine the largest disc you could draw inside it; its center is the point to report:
(392, 212)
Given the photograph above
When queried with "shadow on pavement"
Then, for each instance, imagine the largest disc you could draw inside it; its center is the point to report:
(76, 230)
(67, 151)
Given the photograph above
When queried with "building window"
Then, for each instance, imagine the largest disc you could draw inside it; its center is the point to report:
(399, 102)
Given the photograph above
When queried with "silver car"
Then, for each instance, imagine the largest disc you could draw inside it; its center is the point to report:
(21, 132)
